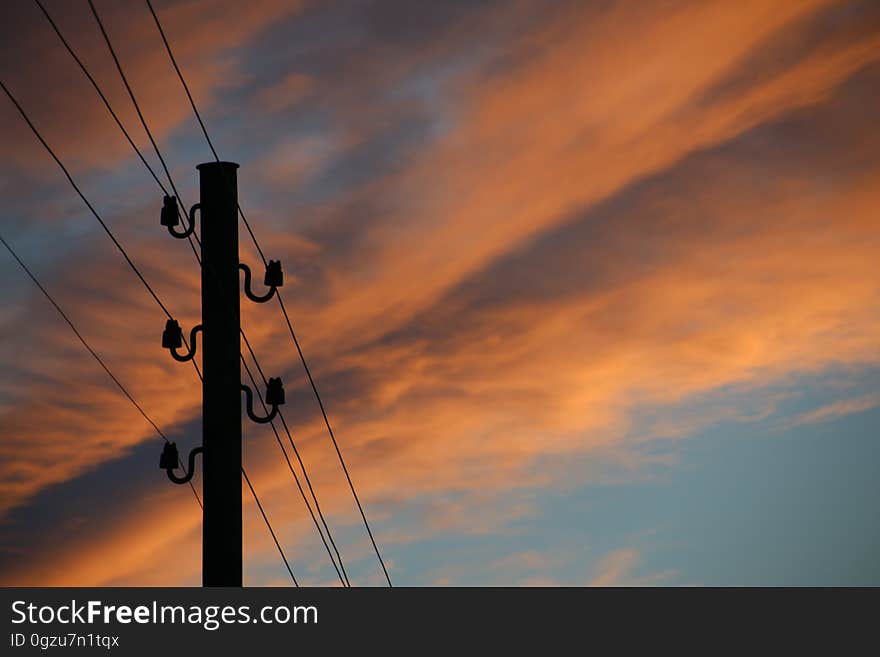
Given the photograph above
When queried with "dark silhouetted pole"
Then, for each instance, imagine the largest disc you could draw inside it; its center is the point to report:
(221, 406)
(221, 372)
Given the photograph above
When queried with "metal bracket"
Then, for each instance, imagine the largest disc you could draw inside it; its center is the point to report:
(249, 405)
(273, 279)
(170, 459)
(189, 229)
(172, 339)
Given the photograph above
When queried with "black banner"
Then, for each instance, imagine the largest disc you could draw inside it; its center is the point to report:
(150, 621)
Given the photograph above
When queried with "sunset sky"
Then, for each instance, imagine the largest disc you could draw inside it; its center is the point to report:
(591, 289)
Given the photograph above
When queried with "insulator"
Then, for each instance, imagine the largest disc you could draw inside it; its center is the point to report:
(274, 276)
(169, 211)
(172, 336)
(170, 457)
(274, 392)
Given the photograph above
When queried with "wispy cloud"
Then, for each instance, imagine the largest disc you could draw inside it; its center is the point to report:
(836, 410)
(619, 568)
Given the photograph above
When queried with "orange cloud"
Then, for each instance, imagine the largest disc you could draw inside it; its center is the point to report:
(579, 120)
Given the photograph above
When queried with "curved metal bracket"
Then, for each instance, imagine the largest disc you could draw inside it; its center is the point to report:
(249, 405)
(170, 461)
(247, 287)
(192, 346)
(192, 224)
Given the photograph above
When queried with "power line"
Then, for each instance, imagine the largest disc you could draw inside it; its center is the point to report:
(155, 177)
(343, 580)
(101, 94)
(201, 122)
(94, 212)
(142, 279)
(106, 230)
(280, 301)
(139, 112)
(198, 115)
(180, 75)
(83, 197)
(165, 167)
(89, 349)
(343, 575)
(162, 160)
(140, 155)
(131, 95)
(132, 399)
(335, 444)
(269, 525)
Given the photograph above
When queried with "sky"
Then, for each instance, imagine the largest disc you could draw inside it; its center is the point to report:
(590, 289)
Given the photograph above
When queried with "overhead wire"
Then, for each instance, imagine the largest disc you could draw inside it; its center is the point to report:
(343, 578)
(100, 93)
(133, 98)
(280, 300)
(83, 197)
(88, 347)
(134, 268)
(140, 114)
(180, 75)
(269, 525)
(343, 575)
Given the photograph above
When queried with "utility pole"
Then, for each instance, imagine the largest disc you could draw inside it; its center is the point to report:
(221, 369)
(221, 362)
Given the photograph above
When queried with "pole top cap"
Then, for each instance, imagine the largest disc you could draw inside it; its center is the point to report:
(222, 165)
